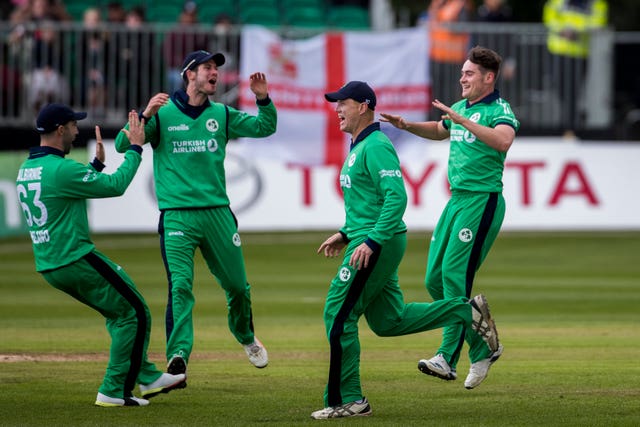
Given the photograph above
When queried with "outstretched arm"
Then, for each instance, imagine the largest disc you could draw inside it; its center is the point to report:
(499, 138)
(431, 129)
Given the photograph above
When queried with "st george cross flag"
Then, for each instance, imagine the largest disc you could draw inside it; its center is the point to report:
(300, 72)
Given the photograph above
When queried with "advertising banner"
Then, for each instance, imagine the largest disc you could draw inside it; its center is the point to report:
(553, 185)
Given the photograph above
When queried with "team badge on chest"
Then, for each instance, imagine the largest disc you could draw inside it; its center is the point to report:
(212, 125)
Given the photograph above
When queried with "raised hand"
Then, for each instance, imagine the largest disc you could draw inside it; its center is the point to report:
(157, 101)
(135, 133)
(258, 85)
(100, 154)
(449, 114)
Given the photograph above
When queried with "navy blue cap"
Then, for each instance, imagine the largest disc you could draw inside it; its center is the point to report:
(358, 91)
(200, 57)
(54, 115)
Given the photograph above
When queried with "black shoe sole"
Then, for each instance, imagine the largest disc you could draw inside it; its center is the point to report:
(130, 402)
(425, 370)
(177, 366)
(177, 386)
(491, 325)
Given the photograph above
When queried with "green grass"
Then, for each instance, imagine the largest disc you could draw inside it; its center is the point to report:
(566, 304)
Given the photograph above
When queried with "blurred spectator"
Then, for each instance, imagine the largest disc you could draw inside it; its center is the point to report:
(449, 48)
(226, 40)
(35, 12)
(115, 40)
(33, 40)
(6, 7)
(116, 13)
(498, 11)
(47, 83)
(10, 84)
(92, 64)
(181, 40)
(494, 11)
(136, 53)
(39, 10)
(570, 23)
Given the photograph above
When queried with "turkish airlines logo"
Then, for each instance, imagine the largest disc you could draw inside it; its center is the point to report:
(345, 181)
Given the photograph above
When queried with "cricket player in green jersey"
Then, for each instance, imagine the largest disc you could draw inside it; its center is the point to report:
(189, 135)
(374, 235)
(481, 128)
(52, 191)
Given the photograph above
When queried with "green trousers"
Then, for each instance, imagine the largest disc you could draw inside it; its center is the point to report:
(461, 241)
(96, 281)
(215, 232)
(375, 292)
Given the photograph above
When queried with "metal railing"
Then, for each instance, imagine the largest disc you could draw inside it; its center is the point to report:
(105, 71)
(109, 70)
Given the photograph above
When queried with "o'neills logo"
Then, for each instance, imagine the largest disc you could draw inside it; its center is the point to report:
(177, 128)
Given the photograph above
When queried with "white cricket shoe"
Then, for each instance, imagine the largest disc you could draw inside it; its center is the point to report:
(257, 353)
(111, 402)
(437, 366)
(482, 322)
(479, 370)
(164, 384)
(359, 408)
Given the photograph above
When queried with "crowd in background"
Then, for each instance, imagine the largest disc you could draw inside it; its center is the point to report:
(129, 47)
(112, 32)
(49, 84)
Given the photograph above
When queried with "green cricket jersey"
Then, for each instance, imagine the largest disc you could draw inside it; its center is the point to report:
(473, 165)
(53, 190)
(374, 193)
(190, 147)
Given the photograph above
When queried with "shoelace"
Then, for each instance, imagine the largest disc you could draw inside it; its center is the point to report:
(343, 410)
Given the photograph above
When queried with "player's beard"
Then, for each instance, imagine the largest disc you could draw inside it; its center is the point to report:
(67, 145)
(207, 87)
(67, 141)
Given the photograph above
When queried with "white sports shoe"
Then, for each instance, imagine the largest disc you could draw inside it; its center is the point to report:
(479, 370)
(359, 408)
(164, 384)
(111, 402)
(257, 353)
(482, 322)
(437, 366)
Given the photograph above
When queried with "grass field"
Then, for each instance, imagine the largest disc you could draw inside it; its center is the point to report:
(567, 306)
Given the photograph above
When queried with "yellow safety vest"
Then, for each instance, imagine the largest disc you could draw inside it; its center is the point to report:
(569, 26)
